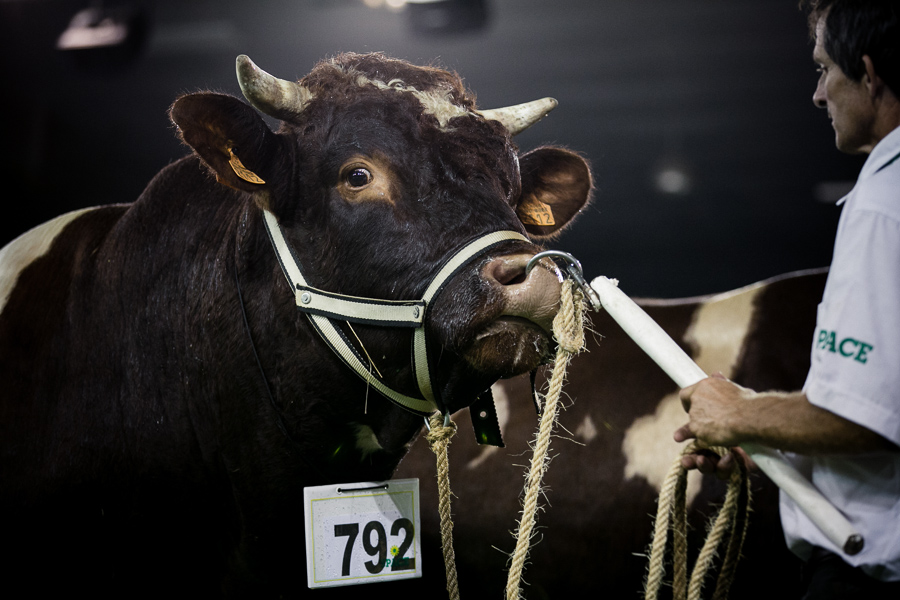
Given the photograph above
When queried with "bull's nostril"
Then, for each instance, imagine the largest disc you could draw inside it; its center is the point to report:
(520, 278)
(507, 271)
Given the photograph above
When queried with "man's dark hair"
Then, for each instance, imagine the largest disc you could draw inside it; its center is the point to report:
(855, 28)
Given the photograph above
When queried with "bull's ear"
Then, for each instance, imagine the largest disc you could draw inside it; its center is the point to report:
(556, 184)
(230, 137)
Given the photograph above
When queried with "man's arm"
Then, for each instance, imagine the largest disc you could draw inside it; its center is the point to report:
(722, 413)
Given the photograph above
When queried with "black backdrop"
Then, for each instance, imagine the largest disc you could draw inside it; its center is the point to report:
(718, 90)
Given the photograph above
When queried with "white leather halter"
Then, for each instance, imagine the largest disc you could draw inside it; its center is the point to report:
(323, 308)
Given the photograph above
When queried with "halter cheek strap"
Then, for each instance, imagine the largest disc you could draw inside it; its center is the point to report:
(421, 361)
(323, 308)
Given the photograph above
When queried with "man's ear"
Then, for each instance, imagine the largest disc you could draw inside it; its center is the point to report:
(556, 185)
(230, 137)
(874, 83)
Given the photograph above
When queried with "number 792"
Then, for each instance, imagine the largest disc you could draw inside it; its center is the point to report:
(379, 549)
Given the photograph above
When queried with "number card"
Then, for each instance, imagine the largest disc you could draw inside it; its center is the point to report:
(362, 532)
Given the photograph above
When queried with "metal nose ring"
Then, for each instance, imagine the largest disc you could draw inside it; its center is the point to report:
(573, 268)
(568, 258)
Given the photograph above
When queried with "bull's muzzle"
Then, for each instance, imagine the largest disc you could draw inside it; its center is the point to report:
(531, 294)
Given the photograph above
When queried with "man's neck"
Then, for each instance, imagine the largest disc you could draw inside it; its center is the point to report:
(887, 117)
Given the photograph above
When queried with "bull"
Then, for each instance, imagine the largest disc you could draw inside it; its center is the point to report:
(614, 449)
(177, 369)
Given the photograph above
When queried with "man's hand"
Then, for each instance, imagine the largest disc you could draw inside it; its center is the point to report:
(713, 406)
(710, 463)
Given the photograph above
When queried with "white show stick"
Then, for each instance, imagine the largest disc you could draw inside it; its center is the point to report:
(684, 372)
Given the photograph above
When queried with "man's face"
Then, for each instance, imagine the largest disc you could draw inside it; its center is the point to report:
(848, 102)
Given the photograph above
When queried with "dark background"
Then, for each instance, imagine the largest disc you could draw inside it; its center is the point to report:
(720, 89)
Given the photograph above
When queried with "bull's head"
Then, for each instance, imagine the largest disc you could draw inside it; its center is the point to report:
(379, 173)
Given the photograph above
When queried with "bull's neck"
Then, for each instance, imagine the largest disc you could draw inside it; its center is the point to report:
(304, 386)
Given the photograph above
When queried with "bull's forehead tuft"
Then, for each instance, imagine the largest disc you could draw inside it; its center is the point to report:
(437, 98)
(437, 102)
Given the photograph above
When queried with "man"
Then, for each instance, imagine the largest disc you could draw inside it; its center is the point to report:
(843, 428)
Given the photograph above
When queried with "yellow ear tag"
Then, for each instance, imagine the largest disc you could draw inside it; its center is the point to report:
(241, 171)
(535, 212)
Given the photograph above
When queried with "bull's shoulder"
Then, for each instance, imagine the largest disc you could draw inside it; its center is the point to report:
(776, 354)
(778, 308)
(38, 271)
(67, 246)
(759, 334)
(802, 283)
(54, 245)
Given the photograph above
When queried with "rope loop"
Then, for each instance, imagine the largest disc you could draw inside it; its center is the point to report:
(728, 529)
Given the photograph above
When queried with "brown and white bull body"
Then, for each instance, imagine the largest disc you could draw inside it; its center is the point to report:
(164, 401)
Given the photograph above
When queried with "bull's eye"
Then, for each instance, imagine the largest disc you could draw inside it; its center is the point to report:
(359, 177)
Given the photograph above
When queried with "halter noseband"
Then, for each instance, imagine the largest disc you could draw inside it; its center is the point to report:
(322, 308)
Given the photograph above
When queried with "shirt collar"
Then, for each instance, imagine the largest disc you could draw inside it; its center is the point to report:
(884, 153)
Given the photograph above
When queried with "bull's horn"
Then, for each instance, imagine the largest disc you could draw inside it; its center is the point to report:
(520, 117)
(275, 97)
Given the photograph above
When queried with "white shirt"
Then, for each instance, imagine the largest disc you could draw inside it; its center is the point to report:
(855, 370)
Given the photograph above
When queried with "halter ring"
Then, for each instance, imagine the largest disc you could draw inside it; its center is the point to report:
(573, 268)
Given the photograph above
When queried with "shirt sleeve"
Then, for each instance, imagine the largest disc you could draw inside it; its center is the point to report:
(855, 370)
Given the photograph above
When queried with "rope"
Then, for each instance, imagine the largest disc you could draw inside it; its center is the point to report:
(730, 524)
(568, 328)
(438, 438)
